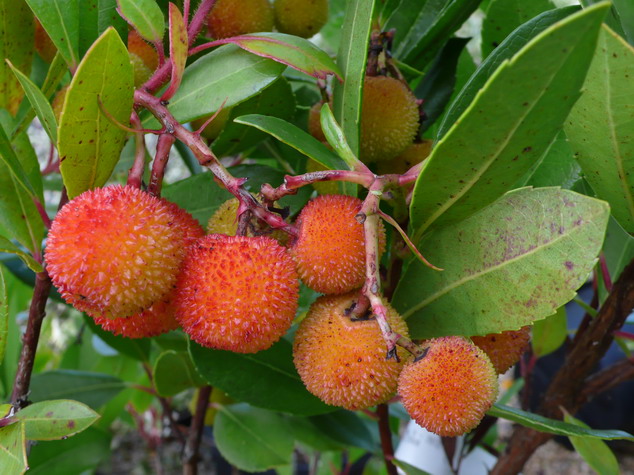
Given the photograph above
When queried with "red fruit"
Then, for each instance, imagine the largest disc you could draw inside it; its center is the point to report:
(237, 293)
(343, 361)
(114, 251)
(504, 349)
(330, 248)
(449, 390)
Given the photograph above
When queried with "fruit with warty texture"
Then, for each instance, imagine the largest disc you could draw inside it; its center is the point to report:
(330, 247)
(504, 349)
(237, 293)
(450, 388)
(232, 18)
(343, 361)
(143, 56)
(300, 17)
(114, 251)
(389, 118)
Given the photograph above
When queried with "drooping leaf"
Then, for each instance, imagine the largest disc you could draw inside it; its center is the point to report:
(145, 16)
(16, 46)
(4, 315)
(238, 75)
(552, 426)
(89, 143)
(507, 127)
(252, 439)
(594, 451)
(514, 262)
(351, 58)
(13, 449)
(279, 386)
(174, 372)
(56, 419)
(293, 51)
(40, 104)
(178, 48)
(60, 19)
(601, 127)
(8, 246)
(550, 333)
(92, 389)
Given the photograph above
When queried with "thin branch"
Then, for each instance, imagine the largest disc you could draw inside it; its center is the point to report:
(135, 176)
(190, 454)
(386, 438)
(163, 148)
(293, 183)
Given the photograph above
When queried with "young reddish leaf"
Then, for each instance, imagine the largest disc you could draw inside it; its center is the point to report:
(178, 50)
(145, 16)
(12, 449)
(50, 420)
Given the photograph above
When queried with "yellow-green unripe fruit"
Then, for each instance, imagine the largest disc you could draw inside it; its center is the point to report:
(389, 118)
(300, 17)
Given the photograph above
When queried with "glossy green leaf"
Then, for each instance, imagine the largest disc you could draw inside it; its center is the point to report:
(252, 439)
(293, 51)
(345, 427)
(557, 167)
(89, 143)
(199, 195)
(13, 449)
(92, 389)
(307, 433)
(279, 386)
(618, 249)
(336, 138)
(423, 27)
(507, 127)
(10, 159)
(95, 16)
(179, 48)
(550, 333)
(4, 315)
(60, 19)
(509, 47)
(351, 58)
(237, 76)
(136, 348)
(295, 137)
(8, 246)
(503, 16)
(594, 451)
(49, 420)
(16, 46)
(40, 104)
(145, 16)
(625, 13)
(514, 262)
(277, 100)
(552, 426)
(174, 372)
(409, 469)
(601, 127)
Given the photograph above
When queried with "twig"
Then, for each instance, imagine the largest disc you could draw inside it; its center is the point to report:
(607, 379)
(386, 438)
(190, 454)
(163, 148)
(135, 176)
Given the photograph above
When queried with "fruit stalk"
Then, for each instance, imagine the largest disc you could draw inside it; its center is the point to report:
(135, 176)
(163, 147)
(190, 453)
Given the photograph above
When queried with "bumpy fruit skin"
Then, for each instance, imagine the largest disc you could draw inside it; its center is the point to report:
(330, 248)
(389, 118)
(214, 127)
(504, 349)
(413, 155)
(300, 17)
(343, 361)
(143, 56)
(114, 251)
(232, 18)
(237, 293)
(449, 390)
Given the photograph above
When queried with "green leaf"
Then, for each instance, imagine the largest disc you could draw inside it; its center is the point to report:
(11, 160)
(424, 27)
(4, 315)
(40, 104)
(557, 167)
(619, 251)
(252, 439)
(594, 451)
(625, 13)
(503, 16)
(16, 46)
(82, 452)
(95, 16)
(92, 389)
(136, 348)
(8, 246)
(89, 143)
(550, 333)
(307, 433)
(409, 469)
(601, 130)
(509, 47)
(507, 127)
(294, 137)
(277, 100)
(237, 76)
(552, 426)
(293, 51)
(336, 138)
(174, 372)
(49, 420)
(351, 58)
(60, 19)
(279, 387)
(145, 16)
(345, 427)
(514, 262)
(13, 449)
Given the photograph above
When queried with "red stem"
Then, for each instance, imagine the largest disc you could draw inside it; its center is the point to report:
(135, 176)
(163, 148)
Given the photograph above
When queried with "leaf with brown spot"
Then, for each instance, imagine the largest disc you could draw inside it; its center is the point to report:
(12, 449)
(50, 420)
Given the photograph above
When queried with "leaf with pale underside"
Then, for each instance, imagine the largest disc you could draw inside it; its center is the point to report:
(514, 262)
(601, 126)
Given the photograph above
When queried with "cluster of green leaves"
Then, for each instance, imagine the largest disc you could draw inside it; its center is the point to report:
(525, 177)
